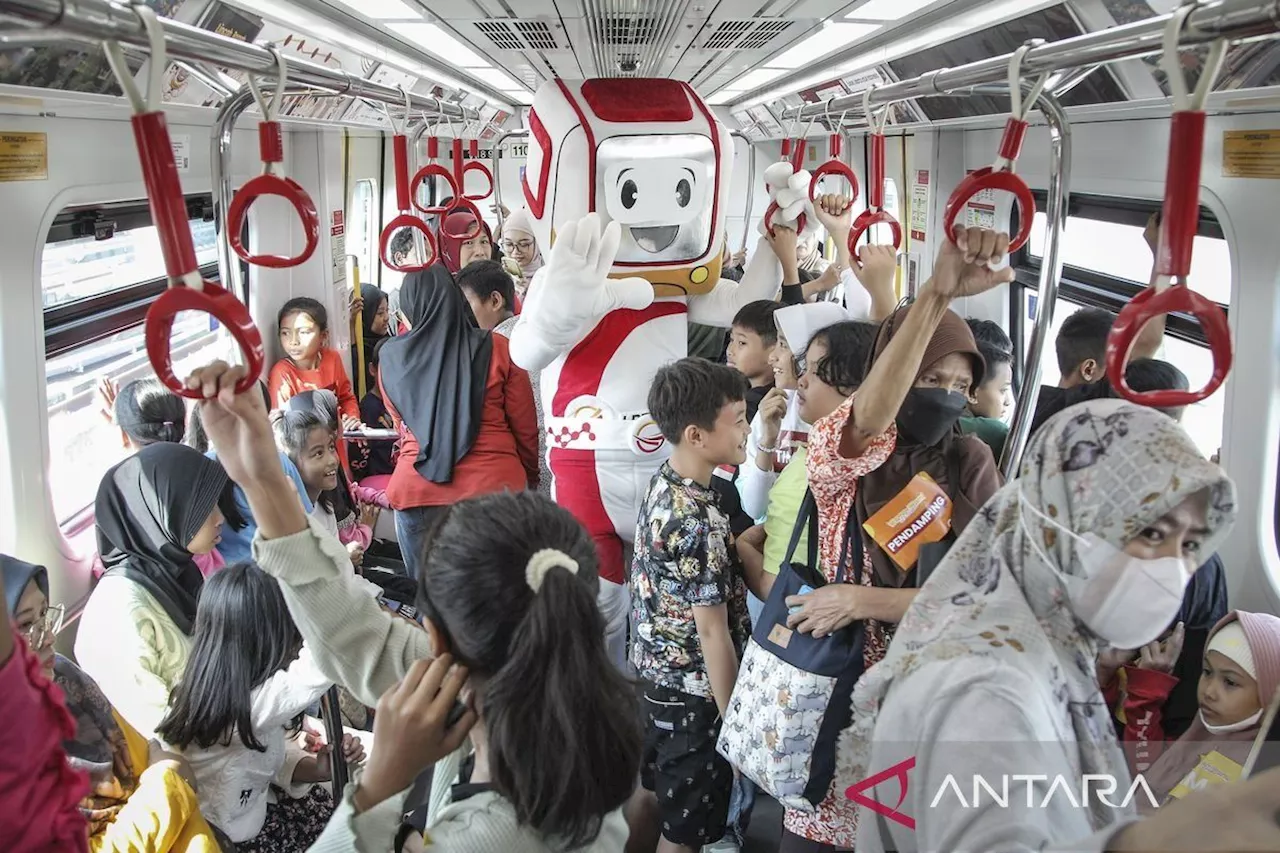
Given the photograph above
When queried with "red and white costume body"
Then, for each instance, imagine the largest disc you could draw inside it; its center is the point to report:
(650, 155)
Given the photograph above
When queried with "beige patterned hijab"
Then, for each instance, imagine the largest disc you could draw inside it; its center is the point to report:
(1107, 467)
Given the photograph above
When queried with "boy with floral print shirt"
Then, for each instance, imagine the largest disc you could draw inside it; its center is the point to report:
(689, 599)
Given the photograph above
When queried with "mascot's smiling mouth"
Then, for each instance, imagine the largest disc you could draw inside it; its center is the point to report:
(655, 239)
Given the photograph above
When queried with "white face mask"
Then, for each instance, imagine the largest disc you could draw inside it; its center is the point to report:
(1247, 723)
(1125, 600)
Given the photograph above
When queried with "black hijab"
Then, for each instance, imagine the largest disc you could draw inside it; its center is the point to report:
(148, 508)
(17, 574)
(371, 297)
(435, 375)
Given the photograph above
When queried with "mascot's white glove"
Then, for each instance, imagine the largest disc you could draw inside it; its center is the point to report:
(573, 293)
(790, 191)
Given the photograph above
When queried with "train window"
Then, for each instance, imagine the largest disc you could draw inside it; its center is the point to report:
(1118, 249)
(1106, 262)
(363, 235)
(101, 268)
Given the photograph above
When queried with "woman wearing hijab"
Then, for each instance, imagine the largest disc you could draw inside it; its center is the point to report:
(375, 318)
(456, 248)
(464, 411)
(521, 245)
(991, 673)
(900, 422)
(138, 798)
(154, 512)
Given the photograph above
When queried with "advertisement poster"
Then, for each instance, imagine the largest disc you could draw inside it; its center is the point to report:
(180, 86)
(920, 205)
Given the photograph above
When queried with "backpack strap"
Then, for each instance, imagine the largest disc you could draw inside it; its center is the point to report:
(807, 518)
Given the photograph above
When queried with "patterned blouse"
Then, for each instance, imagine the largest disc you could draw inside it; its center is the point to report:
(684, 558)
(833, 480)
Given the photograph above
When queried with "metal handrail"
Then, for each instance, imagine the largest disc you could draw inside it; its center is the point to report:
(497, 184)
(97, 20)
(751, 183)
(1231, 19)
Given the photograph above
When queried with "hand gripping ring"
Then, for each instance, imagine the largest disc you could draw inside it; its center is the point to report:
(1149, 304)
(291, 191)
(432, 170)
(768, 219)
(834, 167)
(407, 220)
(866, 219)
(220, 305)
(987, 179)
(484, 170)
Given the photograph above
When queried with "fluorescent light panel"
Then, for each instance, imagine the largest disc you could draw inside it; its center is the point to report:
(381, 10)
(495, 78)
(756, 78)
(432, 39)
(829, 38)
(519, 96)
(888, 10)
(724, 96)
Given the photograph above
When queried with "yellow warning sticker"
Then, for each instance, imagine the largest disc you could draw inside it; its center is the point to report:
(1251, 154)
(24, 156)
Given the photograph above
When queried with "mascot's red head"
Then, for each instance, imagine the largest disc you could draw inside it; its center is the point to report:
(646, 153)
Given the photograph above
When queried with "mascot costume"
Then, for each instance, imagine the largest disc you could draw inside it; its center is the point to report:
(627, 181)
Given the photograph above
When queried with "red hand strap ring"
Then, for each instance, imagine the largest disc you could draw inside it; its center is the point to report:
(1180, 219)
(875, 214)
(1000, 176)
(430, 171)
(271, 149)
(187, 291)
(406, 219)
(834, 165)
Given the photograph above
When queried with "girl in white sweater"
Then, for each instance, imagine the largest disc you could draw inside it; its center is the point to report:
(509, 586)
(246, 685)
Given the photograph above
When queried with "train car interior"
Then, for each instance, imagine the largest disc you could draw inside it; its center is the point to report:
(173, 172)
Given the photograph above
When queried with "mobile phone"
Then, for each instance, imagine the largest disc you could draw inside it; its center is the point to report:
(1266, 746)
(804, 590)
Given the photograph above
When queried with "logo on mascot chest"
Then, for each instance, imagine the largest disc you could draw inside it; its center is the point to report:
(646, 438)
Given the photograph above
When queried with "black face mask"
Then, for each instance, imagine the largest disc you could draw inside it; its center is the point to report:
(928, 414)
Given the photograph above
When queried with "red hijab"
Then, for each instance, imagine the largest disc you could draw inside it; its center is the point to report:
(458, 222)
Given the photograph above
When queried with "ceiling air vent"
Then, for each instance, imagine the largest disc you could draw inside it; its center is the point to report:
(538, 35)
(500, 34)
(628, 30)
(766, 31)
(727, 34)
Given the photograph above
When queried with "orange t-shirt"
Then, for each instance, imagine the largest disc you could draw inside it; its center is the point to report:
(287, 379)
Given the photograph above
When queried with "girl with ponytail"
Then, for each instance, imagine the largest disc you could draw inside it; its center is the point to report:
(508, 583)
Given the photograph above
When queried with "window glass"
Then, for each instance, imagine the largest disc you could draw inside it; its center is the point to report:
(363, 237)
(84, 266)
(1119, 250)
(882, 234)
(82, 445)
(1202, 421)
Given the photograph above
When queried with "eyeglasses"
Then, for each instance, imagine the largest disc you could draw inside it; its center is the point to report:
(47, 623)
(523, 245)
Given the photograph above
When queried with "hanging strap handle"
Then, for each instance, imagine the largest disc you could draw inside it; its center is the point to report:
(1000, 175)
(424, 240)
(1180, 217)
(796, 157)
(834, 165)
(271, 182)
(187, 290)
(875, 213)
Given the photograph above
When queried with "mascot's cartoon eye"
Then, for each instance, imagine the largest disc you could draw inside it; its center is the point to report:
(684, 192)
(629, 193)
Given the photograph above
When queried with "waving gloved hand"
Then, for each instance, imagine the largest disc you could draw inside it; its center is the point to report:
(573, 293)
(790, 191)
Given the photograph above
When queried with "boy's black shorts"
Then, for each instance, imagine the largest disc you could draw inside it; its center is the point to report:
(692, 781)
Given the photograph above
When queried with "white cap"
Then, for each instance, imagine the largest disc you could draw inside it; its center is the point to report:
(1231, 642)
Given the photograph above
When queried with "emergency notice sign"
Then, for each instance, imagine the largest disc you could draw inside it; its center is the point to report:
(24, 156)
(1251, 154)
